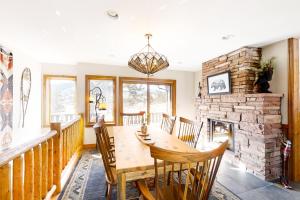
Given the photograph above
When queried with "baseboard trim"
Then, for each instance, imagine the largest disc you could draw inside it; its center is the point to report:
(89, 146)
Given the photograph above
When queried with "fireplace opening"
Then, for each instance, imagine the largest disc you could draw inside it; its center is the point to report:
(219, 131)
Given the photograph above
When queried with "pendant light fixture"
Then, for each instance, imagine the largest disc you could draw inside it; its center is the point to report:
(148, 61)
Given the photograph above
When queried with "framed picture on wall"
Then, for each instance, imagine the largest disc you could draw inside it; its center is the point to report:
(219, 83)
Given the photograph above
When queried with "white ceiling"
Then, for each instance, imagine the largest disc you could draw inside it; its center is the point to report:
(188, 32)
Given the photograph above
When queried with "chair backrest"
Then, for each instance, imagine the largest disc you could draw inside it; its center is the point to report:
(132, 119)
(100, 131)
(198, 182)
(168, 123)
(189, 131)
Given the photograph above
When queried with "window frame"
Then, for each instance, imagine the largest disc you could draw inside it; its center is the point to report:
(46, 114)
(148, 81)
(88, 78)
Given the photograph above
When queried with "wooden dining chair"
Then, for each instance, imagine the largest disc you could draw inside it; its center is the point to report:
(168, 123)
(189, 131)
(109, 141)
(196, 184)
(132, 119)
(110, 171)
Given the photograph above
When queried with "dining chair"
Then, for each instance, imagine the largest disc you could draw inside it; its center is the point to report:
(109, 141)
(132, 119)
(110, 171)
(196, 184)
(168, 123)
(189, 131)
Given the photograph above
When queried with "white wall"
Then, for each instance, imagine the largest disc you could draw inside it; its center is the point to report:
(184, 83)
(33, 116)
(279, 83)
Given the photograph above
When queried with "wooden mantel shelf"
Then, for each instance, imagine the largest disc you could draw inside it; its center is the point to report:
(244, 95)
(264, 95)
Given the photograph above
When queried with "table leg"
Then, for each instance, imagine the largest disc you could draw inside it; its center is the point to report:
(121, 186)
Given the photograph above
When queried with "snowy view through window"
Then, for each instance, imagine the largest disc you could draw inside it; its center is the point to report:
(62, 99)
(135, 100)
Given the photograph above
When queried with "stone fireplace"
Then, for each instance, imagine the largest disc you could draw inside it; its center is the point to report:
(251, 122)
(219, 131)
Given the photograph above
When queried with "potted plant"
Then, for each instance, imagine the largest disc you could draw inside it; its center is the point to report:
(265, 75)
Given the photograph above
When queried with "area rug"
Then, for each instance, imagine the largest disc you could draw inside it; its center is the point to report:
(87, 182)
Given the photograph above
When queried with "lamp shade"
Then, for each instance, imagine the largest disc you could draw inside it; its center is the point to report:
(148, 61)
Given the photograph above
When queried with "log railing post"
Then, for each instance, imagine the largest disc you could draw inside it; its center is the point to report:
(44, 169)
(81, 129)
(50, 164)
(57, 156)
(18, 186)
(37, 172)
(64, 135)
(5, 181)
(29, 179)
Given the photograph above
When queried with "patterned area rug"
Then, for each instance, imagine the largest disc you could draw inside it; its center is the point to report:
(87, 182)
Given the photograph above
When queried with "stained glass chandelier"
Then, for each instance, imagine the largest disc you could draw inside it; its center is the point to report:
(148, 61)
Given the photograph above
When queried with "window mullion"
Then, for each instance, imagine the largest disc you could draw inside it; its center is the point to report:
(148, 104)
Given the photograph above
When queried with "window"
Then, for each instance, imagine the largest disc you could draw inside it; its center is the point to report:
(100, 99)
(154, 96)
(59, 98)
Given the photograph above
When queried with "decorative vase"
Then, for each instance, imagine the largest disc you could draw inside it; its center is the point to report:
(262, 83)
(144, 128)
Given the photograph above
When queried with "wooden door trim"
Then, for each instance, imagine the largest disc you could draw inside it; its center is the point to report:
(294, 106)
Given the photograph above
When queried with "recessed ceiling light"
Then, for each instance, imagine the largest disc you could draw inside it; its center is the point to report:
(64, 29)
(179, 62)
(112, 14)
(227, 37)
(57, 13)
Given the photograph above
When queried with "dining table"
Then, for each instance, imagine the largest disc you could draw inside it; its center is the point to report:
(133, 159)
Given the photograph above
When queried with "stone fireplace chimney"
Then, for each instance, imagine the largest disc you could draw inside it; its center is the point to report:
(256, 118)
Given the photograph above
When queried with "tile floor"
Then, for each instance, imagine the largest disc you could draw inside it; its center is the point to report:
(248, 187)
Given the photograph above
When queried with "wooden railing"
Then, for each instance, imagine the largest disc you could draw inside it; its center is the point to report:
(36, 169)
(155, 118)
(62, 117)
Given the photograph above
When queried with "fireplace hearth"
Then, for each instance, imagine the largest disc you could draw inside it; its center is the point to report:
(219, 131)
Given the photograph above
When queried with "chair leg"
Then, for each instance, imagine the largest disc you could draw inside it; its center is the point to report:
(106, 191)
(109, 188)
(169, 178)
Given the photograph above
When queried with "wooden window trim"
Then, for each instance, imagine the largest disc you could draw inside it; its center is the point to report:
(87, 96)
(46, 107)
(152, 81)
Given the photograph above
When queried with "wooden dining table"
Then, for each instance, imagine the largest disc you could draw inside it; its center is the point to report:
(133, 159)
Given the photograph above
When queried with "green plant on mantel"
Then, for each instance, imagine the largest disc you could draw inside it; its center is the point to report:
(267, 64)
(265, 74)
